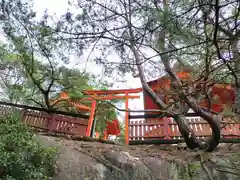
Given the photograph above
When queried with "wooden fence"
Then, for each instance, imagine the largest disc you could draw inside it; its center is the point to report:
(168, 129)
(139, 130)
(48, 122)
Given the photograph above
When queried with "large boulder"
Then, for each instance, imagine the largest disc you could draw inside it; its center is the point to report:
(79, 160)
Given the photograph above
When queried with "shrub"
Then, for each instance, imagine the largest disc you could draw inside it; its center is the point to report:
(21, 157)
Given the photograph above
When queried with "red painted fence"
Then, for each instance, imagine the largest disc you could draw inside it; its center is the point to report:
(48, 122)
(168, 129)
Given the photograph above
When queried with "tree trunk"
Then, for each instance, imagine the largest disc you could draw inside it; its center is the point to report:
(214, 122)
(237, 100)
(236, 58)
(188, 134)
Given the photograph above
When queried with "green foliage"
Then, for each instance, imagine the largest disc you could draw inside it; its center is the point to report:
(22, 158)
(34, 61)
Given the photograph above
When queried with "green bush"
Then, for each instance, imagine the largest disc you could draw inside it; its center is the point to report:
(21, 158)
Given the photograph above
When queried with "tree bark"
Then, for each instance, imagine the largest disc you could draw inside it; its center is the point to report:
(214, 122)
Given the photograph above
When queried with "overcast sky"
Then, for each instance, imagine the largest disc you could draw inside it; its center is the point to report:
(59, 7)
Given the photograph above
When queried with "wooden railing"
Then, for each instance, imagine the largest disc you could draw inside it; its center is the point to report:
(168, 129)
(50, 122)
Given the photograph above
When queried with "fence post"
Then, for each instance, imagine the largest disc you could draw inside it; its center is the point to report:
(22, 114)
(126, 120)
(166, 127)
(51, 122)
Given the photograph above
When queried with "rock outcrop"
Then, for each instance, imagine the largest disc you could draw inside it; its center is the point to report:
(79, 160)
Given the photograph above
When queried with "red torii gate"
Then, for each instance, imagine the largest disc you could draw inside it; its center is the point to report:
(111, 95)
(96, 95)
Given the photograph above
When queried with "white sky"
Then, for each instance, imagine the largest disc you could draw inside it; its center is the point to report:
(61, 6)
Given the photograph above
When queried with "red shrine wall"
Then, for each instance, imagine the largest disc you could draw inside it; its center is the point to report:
(161, 87)
(222, 94)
